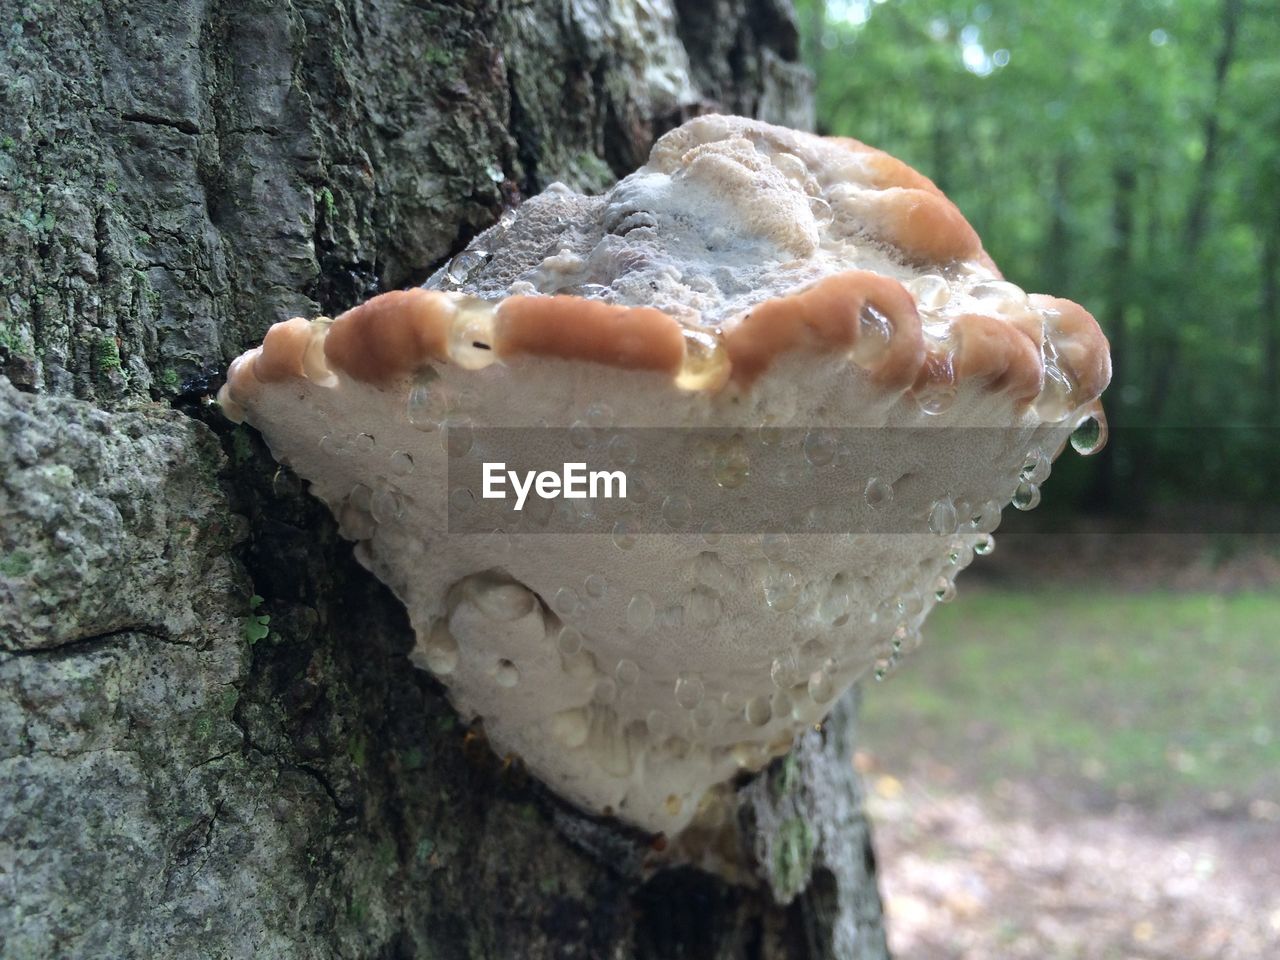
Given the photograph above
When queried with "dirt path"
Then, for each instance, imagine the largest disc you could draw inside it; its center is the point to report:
(1002, 878)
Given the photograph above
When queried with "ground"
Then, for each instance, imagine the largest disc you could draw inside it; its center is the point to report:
(1084, 759)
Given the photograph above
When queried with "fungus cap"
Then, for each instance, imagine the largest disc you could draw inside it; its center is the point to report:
(747, 276)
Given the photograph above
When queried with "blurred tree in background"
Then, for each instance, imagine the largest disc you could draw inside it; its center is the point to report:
(1126, 156)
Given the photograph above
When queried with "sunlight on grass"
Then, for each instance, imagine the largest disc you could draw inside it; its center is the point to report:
(1158, 697)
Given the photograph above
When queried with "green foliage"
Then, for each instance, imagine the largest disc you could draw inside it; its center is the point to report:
(258, 625)
(786, 776)
(241, 446)
(357, 749)
(1122, 155)
(16, 564)
(8, 339)
(1157, 696)
(793, 855)
(108, 353)
(328, 205)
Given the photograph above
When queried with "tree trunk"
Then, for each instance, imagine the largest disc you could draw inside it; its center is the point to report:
(1269, 308)
(1166, 352)
(1106, 477)
(211, 740)
(1058, 257)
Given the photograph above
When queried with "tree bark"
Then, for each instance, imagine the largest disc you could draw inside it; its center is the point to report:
(1107, 481)
(1166, 352)
(211, 741)
(1269, 311)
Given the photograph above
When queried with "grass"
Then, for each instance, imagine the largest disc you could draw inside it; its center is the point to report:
(1159, 698)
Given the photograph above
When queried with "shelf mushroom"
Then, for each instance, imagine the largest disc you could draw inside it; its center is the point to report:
(817, 384)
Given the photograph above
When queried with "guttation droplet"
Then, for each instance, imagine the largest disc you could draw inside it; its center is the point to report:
(758, 711)
(1054, 402)
(942, 517)
(706, 362)
(464, 264)
(1036, 468)
(623, 538)
(1027, 496)
(775, 546)
(569, 642)
(627, 672)
(821, 687)
(457, 437)
(386, 505)
(931, 291)
(781, 703)
(986, 517)
(878, 492)
(731, 466)
(1090, 436)
(622, 451)
(936, 400)
(781, 588)
(781, 670)
(999, 291)
(984, 545)
(600, 415)
(424, 408)
(899, 636)
(462, 500)
(401, 463)
(641, 612)
(820, 447)
(677, 511)
(702, 608)
(710, 571)
(689, 690)
(565, 602)
(791, 166)
(580, 435)
(875, 332)
(821, 211)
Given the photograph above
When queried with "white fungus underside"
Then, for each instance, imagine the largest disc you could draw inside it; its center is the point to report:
(605, 756)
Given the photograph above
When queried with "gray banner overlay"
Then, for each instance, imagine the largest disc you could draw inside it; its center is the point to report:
(627, 482)
(645, 481)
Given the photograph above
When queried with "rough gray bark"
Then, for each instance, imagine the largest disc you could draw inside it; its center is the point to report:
(186, 770)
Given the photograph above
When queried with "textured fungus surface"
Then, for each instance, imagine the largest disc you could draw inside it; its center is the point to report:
(748, 277)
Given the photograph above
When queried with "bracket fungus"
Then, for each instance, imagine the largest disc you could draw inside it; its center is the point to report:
(751, 280)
